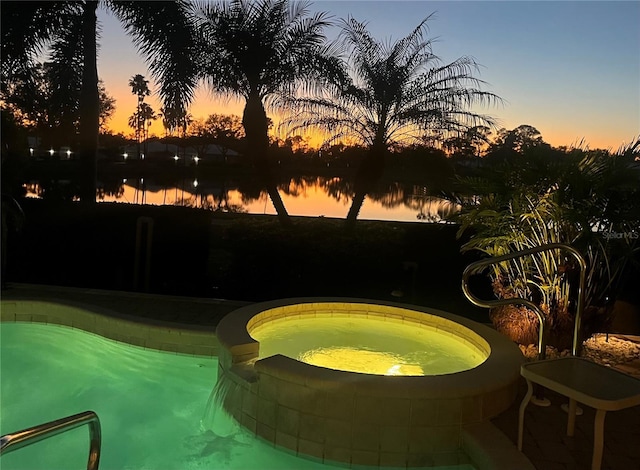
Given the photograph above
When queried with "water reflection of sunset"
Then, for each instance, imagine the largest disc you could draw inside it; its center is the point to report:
(311, 197)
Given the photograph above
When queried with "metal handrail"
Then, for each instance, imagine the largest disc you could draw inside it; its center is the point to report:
(17, 440)
(476, 266)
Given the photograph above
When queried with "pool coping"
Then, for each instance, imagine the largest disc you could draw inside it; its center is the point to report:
(233, 336)
(54, 307)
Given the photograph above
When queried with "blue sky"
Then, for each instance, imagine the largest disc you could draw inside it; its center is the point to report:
(569, 68)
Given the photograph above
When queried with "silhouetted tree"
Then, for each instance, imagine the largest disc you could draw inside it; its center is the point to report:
(48, 103)
(175, 119)
(392, 93)
(107, 105)
(257, 50)
(13, 139)
(518, 140)
(469, 143)
(141, 121)
(160, 30)
(139, 87)
(223, 130)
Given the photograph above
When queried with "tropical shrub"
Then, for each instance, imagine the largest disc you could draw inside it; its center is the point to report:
(541, 195)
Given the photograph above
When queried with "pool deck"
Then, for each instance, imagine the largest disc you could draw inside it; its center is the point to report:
(545, 441)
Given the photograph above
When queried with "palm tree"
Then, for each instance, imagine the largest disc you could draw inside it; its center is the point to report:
(390, 95)
(175, 119)
(161, 30)
(255, 51)
(141, 121)
(140, 87)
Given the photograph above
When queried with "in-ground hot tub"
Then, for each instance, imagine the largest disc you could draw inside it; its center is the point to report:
(400, 413)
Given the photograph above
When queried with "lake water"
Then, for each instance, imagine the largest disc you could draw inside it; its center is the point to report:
(302, 196)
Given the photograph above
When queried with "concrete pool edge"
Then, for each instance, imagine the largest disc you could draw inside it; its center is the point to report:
(364, 419)
(490, 449)
(49, 307)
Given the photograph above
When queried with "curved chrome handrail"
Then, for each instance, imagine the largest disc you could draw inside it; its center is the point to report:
(19, 439)
(474, 267)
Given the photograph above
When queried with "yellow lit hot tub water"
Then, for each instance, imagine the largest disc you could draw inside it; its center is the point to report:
(367, 345)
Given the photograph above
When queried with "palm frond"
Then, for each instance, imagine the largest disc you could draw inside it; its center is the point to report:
(163, 33)
(398, 90)
(265, 48)
(26, 28)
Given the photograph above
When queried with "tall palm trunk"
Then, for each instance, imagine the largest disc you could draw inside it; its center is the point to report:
(89, 106)
(256, 128)
(369, 173)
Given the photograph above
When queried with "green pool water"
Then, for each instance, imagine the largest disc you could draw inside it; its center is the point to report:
(151, 406)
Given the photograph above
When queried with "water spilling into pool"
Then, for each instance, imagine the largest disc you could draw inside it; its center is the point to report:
(215, 419)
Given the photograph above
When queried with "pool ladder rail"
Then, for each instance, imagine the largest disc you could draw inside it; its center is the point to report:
(475, 267)
(19, 439)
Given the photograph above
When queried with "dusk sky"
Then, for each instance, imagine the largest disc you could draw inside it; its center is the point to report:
(571, 69)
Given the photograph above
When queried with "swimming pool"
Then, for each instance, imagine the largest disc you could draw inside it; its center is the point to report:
(150, 404)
